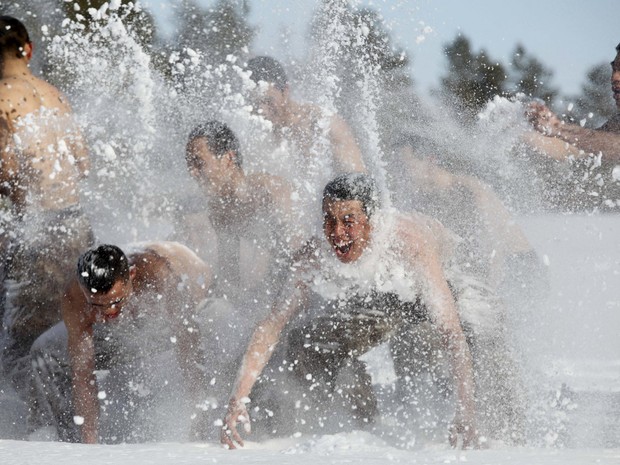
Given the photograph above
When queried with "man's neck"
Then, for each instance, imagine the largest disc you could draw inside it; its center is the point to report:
(232, 187)
(15, 68)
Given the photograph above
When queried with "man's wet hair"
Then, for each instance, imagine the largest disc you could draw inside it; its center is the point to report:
(618, 48)
(354, 186)
(13, 38)
(219, 138)
(100, 268)
(268, 69)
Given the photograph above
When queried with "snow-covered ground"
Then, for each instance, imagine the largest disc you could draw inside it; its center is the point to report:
(352, 448)
(574, 345)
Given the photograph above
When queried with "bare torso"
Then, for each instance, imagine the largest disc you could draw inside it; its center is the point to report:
(43, 155)
(241, 207)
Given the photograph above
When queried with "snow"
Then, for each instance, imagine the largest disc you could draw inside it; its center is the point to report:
(352, 448)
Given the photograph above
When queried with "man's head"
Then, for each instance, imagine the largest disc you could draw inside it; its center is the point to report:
(615, 77)
(269, 70)
(105, 277)
(349, 201)
(212, 151)
(272, 96)
(14, 39)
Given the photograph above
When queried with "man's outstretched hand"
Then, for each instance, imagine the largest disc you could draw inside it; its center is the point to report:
(543, 119)
(237, 413)
(467, 430)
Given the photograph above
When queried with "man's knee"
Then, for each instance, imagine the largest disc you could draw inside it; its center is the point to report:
(52, 344)
(312, 358)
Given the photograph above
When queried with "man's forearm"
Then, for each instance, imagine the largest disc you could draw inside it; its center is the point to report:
(591, 140)
(84, 383)
(191, 359)
(257, 355)
(462, 368)
(86, 408)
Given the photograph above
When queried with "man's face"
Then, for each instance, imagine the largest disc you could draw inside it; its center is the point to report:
(346, 228)
(271, 104)
(108, 306)
(204, 166)
(615, 79)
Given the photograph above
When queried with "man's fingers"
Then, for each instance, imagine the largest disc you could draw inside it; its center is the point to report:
(225, 438)
(235, 435)
(229, 435)
(453, 435)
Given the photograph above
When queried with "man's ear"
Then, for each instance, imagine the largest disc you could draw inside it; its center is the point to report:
(132, 272)
(230, 158)
(28, 49)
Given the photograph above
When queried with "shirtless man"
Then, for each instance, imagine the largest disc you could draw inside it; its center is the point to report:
(378, 270)
(491, 239)
(499, 260)
(237, 201)
(119, 313)
(560, 140)
(301, 121)
(42, 159)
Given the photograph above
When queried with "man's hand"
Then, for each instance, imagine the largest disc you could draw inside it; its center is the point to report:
(237, 413)
(466, 428)
(543, 119)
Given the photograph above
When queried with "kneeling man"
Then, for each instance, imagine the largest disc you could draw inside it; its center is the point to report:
(120, 313)
(377, 271)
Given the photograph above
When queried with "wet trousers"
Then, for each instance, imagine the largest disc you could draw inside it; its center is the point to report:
(41, 260)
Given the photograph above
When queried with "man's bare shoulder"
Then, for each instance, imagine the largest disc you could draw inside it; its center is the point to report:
(418, 225)
(21, 96)
(163, 258)
(267, 181)
(419, 234)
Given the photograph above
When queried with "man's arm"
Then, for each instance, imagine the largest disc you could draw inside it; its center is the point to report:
(505, 237)
(262, 344)
(347, 154)
(591, 140)
(8, 160)
(80, 152)
(443, 312)
(552, 147)
(82, 359)
(585, 140)
(183, 297)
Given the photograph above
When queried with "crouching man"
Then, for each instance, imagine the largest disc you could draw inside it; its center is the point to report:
(377, 271)
(120, 314)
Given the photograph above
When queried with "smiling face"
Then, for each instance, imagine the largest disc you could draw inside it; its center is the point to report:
(107, 306)
(347, 228)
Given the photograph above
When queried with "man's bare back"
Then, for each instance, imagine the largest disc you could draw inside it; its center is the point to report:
(42, 155)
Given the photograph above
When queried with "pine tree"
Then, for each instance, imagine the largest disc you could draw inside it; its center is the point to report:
(219, 31)
(530, 77)
(472, 79)
(594, 105)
